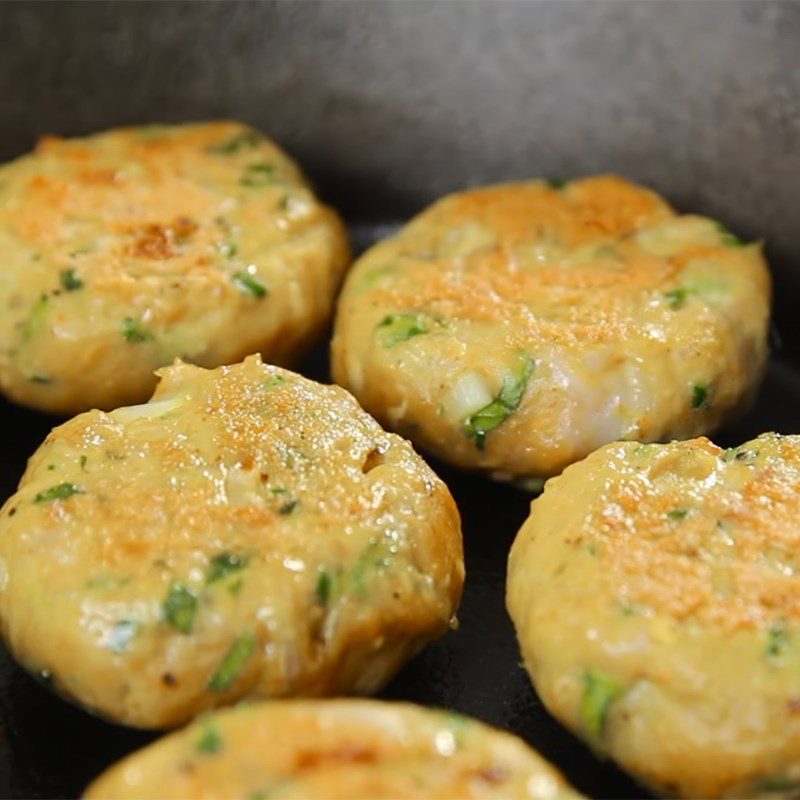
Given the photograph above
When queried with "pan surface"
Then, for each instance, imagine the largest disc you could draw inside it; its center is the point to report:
(388, 106)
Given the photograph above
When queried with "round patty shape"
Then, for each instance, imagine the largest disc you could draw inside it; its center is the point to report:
(247, 532)
(125, 250)
(517, 328)
(655, 591)
(344, 749)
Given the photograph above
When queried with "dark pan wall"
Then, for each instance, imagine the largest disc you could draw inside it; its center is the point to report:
(391, 104)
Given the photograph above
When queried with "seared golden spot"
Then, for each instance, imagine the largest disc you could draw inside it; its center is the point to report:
(673, 568)
(312, 759)
(154, 242)
(159, 241)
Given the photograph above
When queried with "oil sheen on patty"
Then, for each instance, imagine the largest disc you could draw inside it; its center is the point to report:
(127, 249)
(334, 749)
(655, 590)
(516, 328)
(246, 533)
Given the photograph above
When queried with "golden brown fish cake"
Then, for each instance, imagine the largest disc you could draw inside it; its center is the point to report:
(127, 249)
(655, 591)
(516, 328)
(334, 749)
(247, 532)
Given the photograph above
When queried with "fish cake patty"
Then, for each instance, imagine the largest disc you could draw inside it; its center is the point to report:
(247, 532)
(655, 591)
(516, 328)
(127, 249)
(334, 749)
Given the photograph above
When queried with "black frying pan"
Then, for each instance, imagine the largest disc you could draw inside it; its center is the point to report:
(387, 106)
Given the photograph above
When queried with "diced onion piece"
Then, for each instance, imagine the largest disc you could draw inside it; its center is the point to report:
(241, 486)
(396, 413)
(673, 237)
(469, 394)
(469, 238)
(147, 410)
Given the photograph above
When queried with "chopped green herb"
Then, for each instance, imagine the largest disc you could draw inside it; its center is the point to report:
(459, 724)
(739, 454)
(149, 133)
(294, 457)
(210, 741)
(83, 461)
(234, 587)
(70, 280)
(374, 558)
(60, 492)
(40, 379)
(288, 506)
(244, 140)
(556, 183)
(600, 692)
(107, 581)
(324, 588)
(369, 279)
(227, 249)
(35, 321)
(629, 609)
(275, 789)
(249, 285)
(256, 175)
(483, 421)
(677, 514)
(51, 467)
(777, 642)
(273, 382)
(730, 239)
(677, 297)
(778, 784)
(514, 385)
(180, 608)
(700, 396)
(225, 564)
(491, 415)
(228, 671)
(121, 635)
(134, 331)
(398, 328)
